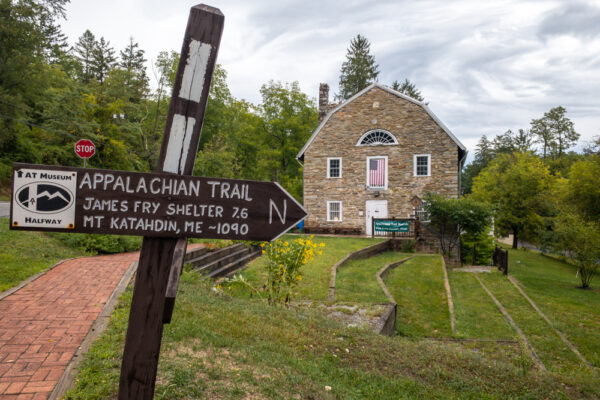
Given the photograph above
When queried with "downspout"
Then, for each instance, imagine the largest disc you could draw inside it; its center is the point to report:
(461, 164)
(303, 186)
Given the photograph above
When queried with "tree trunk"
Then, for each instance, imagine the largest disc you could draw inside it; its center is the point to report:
(515, 239)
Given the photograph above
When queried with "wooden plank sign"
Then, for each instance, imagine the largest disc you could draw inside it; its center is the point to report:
(153, 205)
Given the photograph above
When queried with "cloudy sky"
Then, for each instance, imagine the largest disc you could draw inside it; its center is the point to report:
(484, 67)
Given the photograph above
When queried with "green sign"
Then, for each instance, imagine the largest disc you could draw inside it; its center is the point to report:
(390, 225)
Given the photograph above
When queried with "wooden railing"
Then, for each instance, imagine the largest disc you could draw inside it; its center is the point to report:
(395, 227)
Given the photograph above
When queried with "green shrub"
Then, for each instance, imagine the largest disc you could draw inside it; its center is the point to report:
(5, 175)
(101, 244)
(484, 244)
(408, 246)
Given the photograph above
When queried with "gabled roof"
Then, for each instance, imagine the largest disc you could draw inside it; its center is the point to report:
(389, 90)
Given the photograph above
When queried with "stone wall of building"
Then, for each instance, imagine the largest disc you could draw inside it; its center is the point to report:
(416, 132)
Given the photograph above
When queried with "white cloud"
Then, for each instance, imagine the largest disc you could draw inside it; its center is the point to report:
(485, 67)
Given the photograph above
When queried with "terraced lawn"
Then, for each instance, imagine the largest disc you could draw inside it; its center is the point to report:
(476, 314)
(418, 287)
(356, 281)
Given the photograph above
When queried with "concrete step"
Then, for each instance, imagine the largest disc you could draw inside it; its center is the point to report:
(232, 268)
(191, 254)
(221, 261)
(209, 257)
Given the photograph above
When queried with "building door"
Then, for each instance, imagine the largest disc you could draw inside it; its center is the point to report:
(374, 209)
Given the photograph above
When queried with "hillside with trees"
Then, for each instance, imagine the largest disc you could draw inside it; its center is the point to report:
(51, 95)
(540, 191)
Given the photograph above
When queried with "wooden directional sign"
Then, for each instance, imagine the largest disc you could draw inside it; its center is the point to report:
(153, 205)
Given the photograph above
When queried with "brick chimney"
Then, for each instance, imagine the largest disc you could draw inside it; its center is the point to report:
(323, 100)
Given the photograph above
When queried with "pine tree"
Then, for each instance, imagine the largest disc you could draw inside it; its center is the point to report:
(84, 50)
(103, 59)
(359, 70)
(132, 58)
(133, 63)
(408, 88)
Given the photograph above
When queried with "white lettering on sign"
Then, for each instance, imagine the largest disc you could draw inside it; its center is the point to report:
(84, 148)
(166, 185)
(179, 143)
(272, 206)
(195, 70)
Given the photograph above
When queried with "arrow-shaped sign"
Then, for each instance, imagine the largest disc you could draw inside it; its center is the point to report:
(160, 205)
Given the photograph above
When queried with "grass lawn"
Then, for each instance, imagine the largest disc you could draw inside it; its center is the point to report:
(555, 354)
(23, 254)
(315, 274)
(551, 284)
(356, 281)
(476, 314)
(222, 347)
(418, 287)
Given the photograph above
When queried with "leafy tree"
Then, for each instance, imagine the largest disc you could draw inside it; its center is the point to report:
(581, 191)
(580, 240)
(25, 48)
(517, 185)
(523, 140)
(408, 88)
(289, 118)
(359, 70)
(165, 69)
(555, 131)
(232, 135)
(103, 59)
(450, 218)
(504, 143)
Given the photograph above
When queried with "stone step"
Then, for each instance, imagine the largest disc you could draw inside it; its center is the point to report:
(207, 269)
(235, 266)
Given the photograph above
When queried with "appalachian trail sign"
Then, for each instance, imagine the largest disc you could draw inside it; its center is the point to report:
(165, 207)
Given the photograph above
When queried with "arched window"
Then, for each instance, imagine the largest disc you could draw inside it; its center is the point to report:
(377, 137)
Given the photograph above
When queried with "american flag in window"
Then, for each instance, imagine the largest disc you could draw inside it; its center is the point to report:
(377, 172)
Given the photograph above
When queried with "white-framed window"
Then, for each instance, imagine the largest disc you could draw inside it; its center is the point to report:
(334, 211)
(377, 174)
(377, 137)
(422, 164)
(334, 167)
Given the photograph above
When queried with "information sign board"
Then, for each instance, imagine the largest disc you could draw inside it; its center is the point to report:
(149, 204)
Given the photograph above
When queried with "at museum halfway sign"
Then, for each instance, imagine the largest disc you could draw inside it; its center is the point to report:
(66, 199)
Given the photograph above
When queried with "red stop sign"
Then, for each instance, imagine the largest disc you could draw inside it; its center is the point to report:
(84, 148)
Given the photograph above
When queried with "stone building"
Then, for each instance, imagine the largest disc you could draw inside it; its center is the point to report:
(375, 155)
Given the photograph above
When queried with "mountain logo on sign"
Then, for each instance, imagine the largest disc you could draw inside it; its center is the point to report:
(44, 197)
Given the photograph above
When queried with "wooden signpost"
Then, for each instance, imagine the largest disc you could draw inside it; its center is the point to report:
(165, 207)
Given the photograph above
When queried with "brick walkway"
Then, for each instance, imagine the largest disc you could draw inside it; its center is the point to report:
(44, 323)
